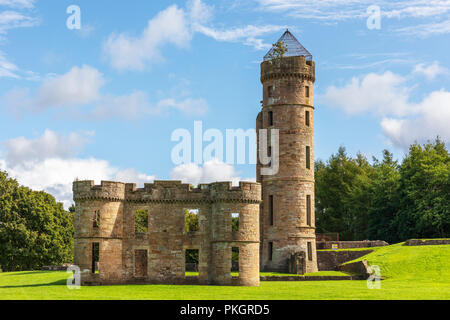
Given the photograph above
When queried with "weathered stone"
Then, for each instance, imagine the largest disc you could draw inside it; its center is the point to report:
(159, 255)
(286, 82)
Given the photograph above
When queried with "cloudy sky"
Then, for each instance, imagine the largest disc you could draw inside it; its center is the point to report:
(101, 102)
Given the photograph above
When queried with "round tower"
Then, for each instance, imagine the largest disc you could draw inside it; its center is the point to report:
(98, 230)
(240, 237)
(287, 212)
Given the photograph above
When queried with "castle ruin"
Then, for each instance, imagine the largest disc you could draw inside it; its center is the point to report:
(275, 214)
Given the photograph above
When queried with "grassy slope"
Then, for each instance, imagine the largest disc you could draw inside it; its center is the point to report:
(411, 272)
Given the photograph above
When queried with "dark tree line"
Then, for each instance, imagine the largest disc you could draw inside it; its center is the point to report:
(35, 230)
(385, 199)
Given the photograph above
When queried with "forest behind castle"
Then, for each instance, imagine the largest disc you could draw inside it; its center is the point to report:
(380, 199)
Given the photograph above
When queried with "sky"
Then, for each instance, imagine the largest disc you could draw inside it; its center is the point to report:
(96, 89)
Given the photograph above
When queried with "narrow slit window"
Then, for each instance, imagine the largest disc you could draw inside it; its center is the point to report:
(235, 221)
(270, 251)
(96, 219)
(308, 157)
(271, 210)
(308, 210)
(310, 251)
(270, 118)
(141, 221)
(235, 261)
(95, 257)
(191, 223)
(307, 118)
(307, 91)
(270, 91)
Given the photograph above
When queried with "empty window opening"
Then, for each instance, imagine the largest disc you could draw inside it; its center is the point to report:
(140, 263)
(191, 223)
(308, 157)
(307, 118)
(235, 261)
(310, 251)
(307, 91)
(308, 210)
(270, 251)
(191, 262)
(141, 221)
(270, 91)
(96, 219)
(95, 257)
(271, 210)
(235, 222)
(270, 118)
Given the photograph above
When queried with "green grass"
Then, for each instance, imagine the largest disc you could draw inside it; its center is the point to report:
(421, 272)
(277, 274)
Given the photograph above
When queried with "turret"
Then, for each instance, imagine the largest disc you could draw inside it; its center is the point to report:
(287, 212)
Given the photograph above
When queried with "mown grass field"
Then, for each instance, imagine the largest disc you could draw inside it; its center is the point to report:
(411, 273)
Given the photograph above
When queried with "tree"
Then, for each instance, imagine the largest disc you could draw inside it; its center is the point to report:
(278, 50)
(335, 183)
(384, 199)
(35, 230)
(191, 220)
(424, 192)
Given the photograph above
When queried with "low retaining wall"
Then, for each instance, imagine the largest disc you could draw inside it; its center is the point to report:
(325, 245)
(55, 268)
(430, 242)
(306, 278)
(359, 268)
(330, 260)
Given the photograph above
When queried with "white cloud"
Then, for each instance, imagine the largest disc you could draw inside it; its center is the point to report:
(168, 27)
(21, 4)
(176, 26)
(426, 29)
(49, 145)
(212, 171)
(80, 87)
(49, 163)
(247, 34)
(375, 93)
(13, 19)
(7, 68)
(334, 10)
(431, 71)
(388, 97)
(432, 121)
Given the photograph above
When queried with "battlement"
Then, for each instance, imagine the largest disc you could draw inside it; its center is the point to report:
(108, 190)
(288, 67)
(167, 191)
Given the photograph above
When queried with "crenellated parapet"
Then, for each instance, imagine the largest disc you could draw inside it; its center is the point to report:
(87, 190)
(176, 191)
(294, 67)
(246, 192)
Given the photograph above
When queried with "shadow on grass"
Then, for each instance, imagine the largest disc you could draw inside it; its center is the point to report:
(25, 273)
(56, 283)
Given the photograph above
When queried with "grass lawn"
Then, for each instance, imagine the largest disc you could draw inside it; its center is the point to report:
(421, 272)
(267, 274)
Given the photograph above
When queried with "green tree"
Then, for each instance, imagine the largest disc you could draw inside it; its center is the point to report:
(191, 220)
(424, 192)
(384, 199)
(335, 193)
(35, 230)
(278, 50)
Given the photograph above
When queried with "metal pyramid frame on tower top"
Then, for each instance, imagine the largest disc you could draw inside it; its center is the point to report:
(294, 48)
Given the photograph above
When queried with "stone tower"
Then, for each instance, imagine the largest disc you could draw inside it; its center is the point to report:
(287, 219)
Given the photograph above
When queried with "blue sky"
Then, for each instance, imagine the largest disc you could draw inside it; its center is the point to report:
(102, 102)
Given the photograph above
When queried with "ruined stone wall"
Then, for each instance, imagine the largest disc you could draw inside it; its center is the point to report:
(285, 83)
(158, 256)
